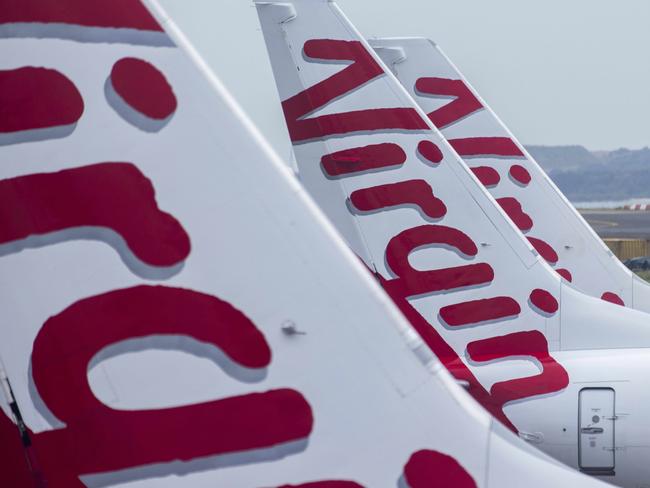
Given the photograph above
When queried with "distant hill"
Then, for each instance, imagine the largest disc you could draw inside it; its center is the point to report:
(629, 159)
(585, 176)
(563, 158)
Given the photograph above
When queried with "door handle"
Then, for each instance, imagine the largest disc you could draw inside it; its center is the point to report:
(592, 430)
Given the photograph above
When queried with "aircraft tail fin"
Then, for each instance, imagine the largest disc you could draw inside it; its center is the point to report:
(509, 172)
(451, 256)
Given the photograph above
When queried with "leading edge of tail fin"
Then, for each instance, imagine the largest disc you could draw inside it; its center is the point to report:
(508, 171)
(441, 246)
(177, 311)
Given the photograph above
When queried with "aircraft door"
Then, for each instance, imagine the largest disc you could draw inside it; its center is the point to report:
(596, 433)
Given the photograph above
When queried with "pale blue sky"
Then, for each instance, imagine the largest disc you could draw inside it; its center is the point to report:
(557, 72)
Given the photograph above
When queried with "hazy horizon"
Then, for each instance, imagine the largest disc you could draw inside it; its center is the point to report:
(557, 73)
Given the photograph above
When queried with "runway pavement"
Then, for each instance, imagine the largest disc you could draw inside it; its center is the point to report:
(619, 223)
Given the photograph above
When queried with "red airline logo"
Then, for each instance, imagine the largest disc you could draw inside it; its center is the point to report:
(410, 282)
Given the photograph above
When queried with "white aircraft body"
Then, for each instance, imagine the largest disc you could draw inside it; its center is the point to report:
(176, 312)
(508, 171)
(565, 370)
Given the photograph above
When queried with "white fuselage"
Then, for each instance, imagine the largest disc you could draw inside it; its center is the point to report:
(553, 422)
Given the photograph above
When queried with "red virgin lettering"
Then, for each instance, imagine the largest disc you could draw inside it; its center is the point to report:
(565, 273)
(424, 469)
(442, 350)
(611, 297)
(429, 469)
(363, 68)
(512, 207)
(99, 439)
(326, 484)
(478, 311)
(37, 98)
(359, 159)
(408, 282)
(39, 204)
(553, 377)
(427, 235)
(416, 193)
(108, 13)
(143, 87)
(519, 174)
(423, 282)
(485, 146)
(430, 152)
(544, 249)
(15, 470)
(544, 301)
(489, 177)
(412, 282)
(463, 104)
